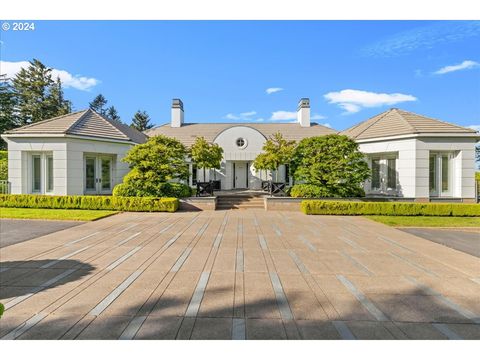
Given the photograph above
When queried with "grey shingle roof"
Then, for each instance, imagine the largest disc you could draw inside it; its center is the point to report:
(83, 123)
(396, 122)
(187, 133)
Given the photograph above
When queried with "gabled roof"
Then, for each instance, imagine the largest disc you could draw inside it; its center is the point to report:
(82, 123)
(396, 122)
(187, 133)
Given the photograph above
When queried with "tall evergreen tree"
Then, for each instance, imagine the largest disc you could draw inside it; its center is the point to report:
(112, 114)
(37, 95)
(99, 104)
(8, 115)
(141, 121)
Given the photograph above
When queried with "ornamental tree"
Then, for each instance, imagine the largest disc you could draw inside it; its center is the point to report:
(333, 163)
(276, 151)
(160, 160)
(206, 155)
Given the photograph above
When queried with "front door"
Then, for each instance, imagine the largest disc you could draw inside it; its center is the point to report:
(240, 175)
(98, 174)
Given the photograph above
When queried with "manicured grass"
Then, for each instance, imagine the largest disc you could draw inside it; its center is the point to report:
(428, 221)
(54, 214)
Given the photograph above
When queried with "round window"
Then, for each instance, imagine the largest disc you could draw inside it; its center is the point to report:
(241, 143)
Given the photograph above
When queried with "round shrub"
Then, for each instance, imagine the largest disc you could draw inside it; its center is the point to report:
(309, 191)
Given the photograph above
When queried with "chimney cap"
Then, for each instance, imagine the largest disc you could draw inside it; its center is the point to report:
(304, 103)
(177, 103)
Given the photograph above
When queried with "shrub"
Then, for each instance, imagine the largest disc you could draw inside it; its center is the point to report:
(332, 162)
(177, 190)
(319, 207)
(118, 203)
(308, 191)
(3, 165)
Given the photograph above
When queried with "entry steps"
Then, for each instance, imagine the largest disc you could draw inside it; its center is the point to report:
(228, 202)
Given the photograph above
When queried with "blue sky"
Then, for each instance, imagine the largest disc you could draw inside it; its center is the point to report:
(350, 70)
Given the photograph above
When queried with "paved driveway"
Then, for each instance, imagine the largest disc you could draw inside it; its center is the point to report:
(15, 231)
(237, 275)
(467, 240)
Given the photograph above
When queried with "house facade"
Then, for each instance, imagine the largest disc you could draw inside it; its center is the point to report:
(411, 156)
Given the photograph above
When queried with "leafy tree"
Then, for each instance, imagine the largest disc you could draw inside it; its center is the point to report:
(38, 96)
(141, 121)
(8, 115)
(3, 165)
(333, 163)
(160, 160)
(206, 155)
(98, 104)
(276, 151)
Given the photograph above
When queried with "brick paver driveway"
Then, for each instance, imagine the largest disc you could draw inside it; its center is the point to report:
(235, 275)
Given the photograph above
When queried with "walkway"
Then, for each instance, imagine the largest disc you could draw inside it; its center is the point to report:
(237, 275)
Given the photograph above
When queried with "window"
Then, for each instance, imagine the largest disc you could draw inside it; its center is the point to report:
(391, 174)
(241, 143)
(49, 173)
(445, 173)
(194, 174)
(37, 174)
(441, 174)
(375, 173)
(432, 173)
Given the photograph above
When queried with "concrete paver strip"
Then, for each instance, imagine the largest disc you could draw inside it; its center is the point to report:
(237, 275)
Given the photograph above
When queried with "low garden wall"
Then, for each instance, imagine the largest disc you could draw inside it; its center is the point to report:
(198, 203)
(119, 203)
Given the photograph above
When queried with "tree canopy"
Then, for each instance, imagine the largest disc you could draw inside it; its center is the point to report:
(141, 121)
(276, 151)
(332, 162)
(206, 155)
(160, 160)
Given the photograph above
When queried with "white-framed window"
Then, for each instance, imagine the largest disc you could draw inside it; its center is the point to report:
(384, 178)
(41, 170)
(440, 173)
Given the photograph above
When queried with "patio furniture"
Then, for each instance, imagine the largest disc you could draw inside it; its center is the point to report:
(204, 188)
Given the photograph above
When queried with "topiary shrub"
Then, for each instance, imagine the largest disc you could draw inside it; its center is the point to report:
(167, 189)
(319, 207)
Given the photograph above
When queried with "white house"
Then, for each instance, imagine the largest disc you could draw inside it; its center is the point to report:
(411, 156)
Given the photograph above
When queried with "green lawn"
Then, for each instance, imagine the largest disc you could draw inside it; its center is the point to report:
(54, 214)
(427, 221)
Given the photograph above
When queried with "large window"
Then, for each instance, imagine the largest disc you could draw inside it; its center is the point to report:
(49, 173)
(440, 174)
(384, 174)
(37, 173)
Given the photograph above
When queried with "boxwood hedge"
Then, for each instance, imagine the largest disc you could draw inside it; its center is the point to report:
(119, 203)
(319, 207)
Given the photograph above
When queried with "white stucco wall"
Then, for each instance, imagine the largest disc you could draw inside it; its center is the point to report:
(76, 150)
(406, 162)
(413, 163)
(227, 140)
(68, 162)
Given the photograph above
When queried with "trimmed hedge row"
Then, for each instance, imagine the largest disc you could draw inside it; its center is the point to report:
(319, 207)
(149, 204)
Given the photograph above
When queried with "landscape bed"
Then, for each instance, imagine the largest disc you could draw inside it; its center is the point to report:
(322, 207)
(116, 203)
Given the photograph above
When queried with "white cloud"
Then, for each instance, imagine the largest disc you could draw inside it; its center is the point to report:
(283, 115)
(317, 117)
(475, 127)
(327, 125)
(353, 101)
(273, 90)
(68, 80)
(467, 64)
(248, 115)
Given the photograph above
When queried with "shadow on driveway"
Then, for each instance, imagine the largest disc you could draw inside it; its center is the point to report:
(16, 231)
